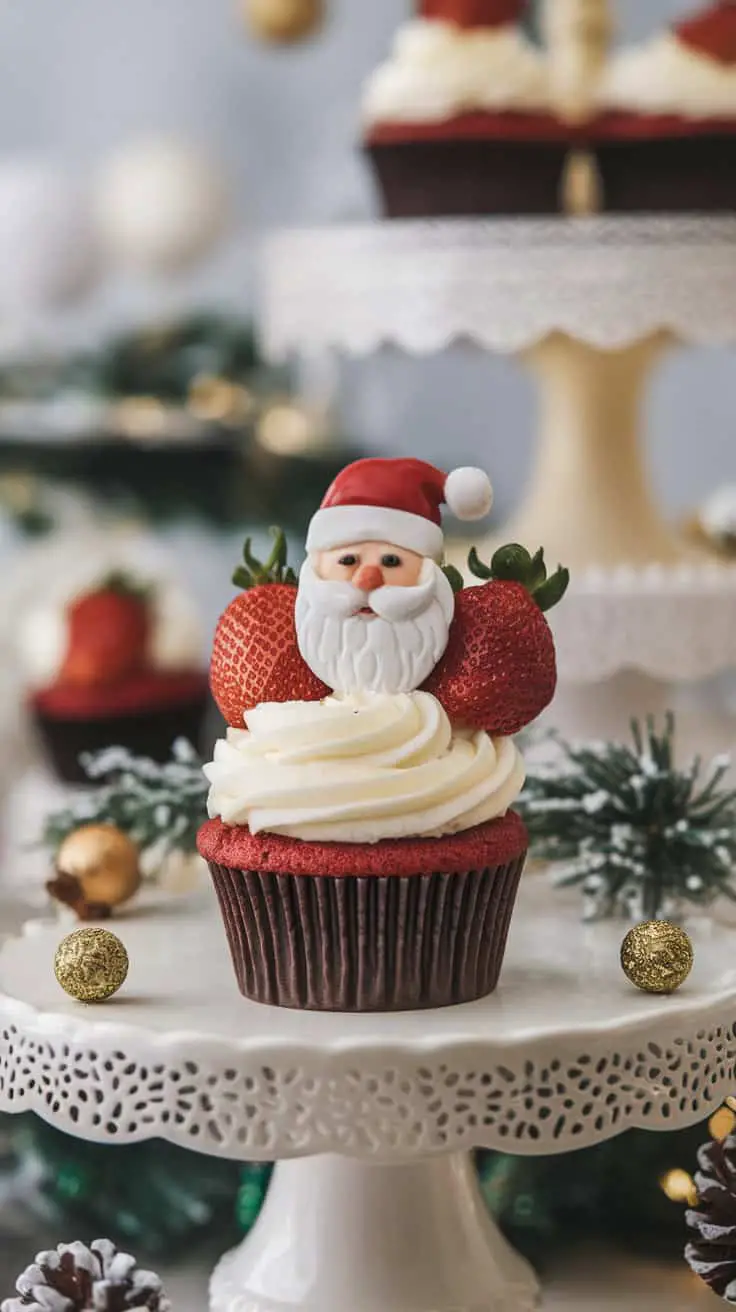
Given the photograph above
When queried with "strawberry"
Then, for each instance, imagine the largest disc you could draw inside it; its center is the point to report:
(109, 632)
(474, 13)
(499, 671)
(255, 657)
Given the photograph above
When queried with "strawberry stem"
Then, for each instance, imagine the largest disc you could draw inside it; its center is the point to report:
(124, 585)
(254, 573)
(514, 564)
(454, 578)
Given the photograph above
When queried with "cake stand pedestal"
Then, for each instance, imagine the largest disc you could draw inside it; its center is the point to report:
(589, 306)
(374, 1206)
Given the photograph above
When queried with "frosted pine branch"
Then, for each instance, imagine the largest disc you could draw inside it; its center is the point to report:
(637, 834)
(160, 806)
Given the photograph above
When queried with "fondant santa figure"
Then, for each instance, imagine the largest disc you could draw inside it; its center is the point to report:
(374, 611)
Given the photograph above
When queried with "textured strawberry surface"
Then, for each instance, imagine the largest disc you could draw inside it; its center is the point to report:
(492, 844)
(499, 671)
(255, 657)
(148, 691)
(622, 126)
(477, 126)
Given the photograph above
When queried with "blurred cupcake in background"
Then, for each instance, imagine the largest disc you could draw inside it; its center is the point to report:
(459, 118)
(111, 655)
(666, 135)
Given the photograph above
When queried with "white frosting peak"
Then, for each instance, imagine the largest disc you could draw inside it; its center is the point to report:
(360, 769)
(665, 76)
(437, 70)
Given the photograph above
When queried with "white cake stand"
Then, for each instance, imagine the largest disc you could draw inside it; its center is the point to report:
(589, 305)
(374, 1205)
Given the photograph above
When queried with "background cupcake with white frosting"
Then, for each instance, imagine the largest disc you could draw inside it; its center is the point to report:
(109, 649)
(665, 137)
(459, 120)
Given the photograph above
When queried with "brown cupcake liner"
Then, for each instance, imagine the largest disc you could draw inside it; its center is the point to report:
(456, 178)
(367, 943)
(670, 174)
(150, 733)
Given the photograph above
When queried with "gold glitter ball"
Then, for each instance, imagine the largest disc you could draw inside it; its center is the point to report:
(91, 965)
(657, 956)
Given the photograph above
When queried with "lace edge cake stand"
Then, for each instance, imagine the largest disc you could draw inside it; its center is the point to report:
(638, 642)
(374, 1206)
(589, 304)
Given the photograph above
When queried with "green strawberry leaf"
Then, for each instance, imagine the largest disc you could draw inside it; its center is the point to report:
(514, 564)
(454, 578)
(124, 585)
(553, 590)
(254, 573)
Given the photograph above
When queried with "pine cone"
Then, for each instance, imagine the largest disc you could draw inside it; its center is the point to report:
(712, 1250)
(75, 1278)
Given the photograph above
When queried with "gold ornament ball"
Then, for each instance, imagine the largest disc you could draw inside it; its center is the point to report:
(91, 965)
(104, 861)
(283, 22)
(657, 956)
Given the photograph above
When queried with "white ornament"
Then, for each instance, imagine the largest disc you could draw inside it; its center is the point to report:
(173, 870)
(718, 514)
(161, 205)
(468, 493)
(48, 251)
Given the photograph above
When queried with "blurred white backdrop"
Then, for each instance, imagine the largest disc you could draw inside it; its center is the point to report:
(79, 78)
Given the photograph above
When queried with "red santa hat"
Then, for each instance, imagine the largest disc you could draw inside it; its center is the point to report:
(397, 501)
(474, 13)
(712, 32)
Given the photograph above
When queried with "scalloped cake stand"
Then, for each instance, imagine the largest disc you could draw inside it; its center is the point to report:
(374, 1205)
(590, 305)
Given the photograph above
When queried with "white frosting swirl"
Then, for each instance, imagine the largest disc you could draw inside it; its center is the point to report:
(665, 76)
(360, 769)
(437, 70)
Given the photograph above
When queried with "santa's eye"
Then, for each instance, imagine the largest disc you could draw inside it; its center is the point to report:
(390, 561)
(349, 561)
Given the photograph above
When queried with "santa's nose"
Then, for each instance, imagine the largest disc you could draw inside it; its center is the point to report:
(367, 578)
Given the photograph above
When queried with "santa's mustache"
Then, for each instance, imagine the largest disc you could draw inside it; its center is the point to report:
(341, 599)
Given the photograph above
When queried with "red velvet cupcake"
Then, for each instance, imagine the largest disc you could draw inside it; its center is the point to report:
(666, 136)
(361, 841)
(459, 121)
(109, 690)
(393, 926)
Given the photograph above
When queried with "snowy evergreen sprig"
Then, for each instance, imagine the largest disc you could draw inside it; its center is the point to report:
(160, 806)
(635, 832)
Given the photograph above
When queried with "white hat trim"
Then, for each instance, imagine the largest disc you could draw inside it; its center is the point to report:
(340, 526)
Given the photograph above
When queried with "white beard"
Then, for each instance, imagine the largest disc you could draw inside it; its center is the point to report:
(393, 651)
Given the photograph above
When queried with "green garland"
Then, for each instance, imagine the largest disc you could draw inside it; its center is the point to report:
(635, 832)
(160, 806)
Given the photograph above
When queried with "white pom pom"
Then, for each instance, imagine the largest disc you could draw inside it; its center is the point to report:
(468, 493)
